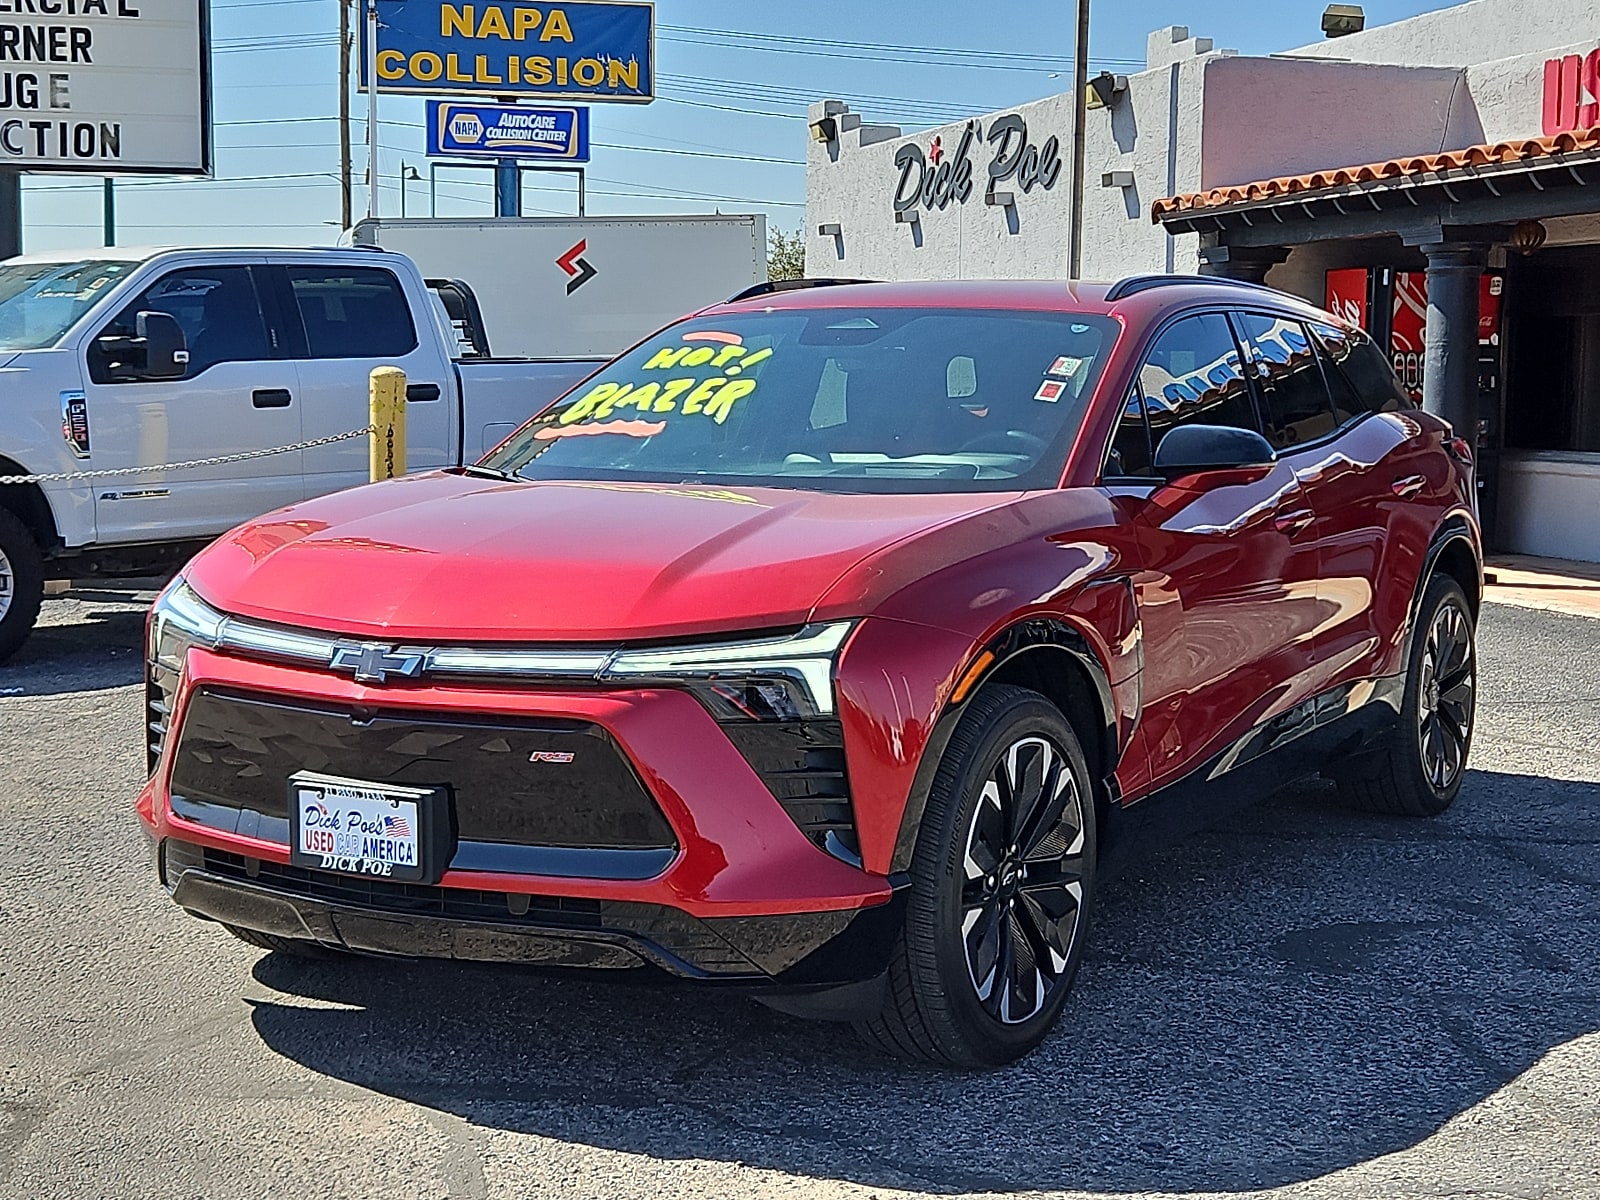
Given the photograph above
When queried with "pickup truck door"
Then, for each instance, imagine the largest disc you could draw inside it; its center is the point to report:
(345, 320)
(236, 397)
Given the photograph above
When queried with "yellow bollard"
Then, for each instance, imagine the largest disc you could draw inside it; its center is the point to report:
(388, 437)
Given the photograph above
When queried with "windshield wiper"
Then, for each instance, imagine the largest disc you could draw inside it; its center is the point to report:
(485, 473)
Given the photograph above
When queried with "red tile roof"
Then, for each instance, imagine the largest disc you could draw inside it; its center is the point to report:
(1497, 154)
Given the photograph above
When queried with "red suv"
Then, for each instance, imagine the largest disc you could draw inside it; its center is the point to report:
(833, 642)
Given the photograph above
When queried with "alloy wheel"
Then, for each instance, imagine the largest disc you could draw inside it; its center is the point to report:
(1447, 695)
(8, 585)
(1022, 887)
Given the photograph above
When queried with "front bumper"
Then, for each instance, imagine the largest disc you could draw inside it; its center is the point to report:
(795, 950)
(742, 895)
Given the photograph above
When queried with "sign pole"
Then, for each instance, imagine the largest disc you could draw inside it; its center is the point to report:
(345, 210)
(110, 211)
(372, 108)
(1080, 118)
(10, 213)
(507, 188)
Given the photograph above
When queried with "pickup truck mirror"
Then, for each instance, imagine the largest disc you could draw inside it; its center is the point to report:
(158, 350)
(166, 350)
(1203, 455)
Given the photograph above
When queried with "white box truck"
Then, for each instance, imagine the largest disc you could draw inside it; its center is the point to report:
(581, 286)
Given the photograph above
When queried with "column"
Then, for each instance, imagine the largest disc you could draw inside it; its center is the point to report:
(10, 213)
(1248, 264)
(1450, 355)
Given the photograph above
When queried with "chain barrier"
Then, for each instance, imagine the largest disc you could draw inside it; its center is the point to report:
(220, 460)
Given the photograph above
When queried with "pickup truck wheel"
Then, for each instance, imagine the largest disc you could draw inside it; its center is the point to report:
(1001, 882)
(21, 584)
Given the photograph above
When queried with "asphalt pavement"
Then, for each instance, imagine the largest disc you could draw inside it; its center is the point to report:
(1300, 1002)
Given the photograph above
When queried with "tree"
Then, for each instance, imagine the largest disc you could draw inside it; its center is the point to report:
(786, 255)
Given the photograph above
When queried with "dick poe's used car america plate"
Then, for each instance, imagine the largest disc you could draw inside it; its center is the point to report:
(359, 828)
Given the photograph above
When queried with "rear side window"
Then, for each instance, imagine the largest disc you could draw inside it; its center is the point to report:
(1359, 376)
(353, 312)
(1297, 408)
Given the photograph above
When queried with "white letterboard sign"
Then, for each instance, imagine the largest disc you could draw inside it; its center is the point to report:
(105, 86)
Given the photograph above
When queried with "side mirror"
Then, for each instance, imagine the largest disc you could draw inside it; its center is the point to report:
(166, 350)
(1241, 455)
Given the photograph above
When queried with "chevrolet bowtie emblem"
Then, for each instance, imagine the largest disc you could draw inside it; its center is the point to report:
(374, 664)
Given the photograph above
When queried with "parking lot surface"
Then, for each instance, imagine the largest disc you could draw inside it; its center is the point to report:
(1301, 1001)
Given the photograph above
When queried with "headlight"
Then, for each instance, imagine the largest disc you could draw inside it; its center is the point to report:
(783, 678)
(178, 620)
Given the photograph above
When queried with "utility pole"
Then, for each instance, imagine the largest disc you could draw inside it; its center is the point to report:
(345, 211)
(372, 108)
(1080, 116)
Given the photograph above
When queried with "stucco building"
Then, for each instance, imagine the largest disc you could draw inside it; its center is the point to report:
(1437, 179)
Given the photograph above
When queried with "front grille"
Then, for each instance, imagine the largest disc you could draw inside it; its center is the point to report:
(802, 763)
(413, 899)
(552, 784)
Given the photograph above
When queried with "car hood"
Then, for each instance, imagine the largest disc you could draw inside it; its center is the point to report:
(448, 556)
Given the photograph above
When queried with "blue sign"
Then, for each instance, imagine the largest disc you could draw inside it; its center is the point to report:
(578, 50)
(508, 131)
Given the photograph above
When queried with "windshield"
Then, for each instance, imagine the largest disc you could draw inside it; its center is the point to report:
(41, 301)
(847, 399)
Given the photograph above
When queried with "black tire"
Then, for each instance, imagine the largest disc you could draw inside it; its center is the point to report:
(21, 583)
(1419, 769)
(936, 1008)
(293, 947)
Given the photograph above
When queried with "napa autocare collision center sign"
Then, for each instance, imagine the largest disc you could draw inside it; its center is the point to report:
(573, 51)
(105, 86)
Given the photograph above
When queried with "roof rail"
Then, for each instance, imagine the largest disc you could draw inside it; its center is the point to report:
(773, 287)
(1132, 285)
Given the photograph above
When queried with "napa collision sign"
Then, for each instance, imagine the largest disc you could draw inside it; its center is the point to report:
(582, 50)
(105, 86)
(508, 131)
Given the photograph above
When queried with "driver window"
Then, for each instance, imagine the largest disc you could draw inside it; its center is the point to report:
(217, 308)
(1192, 376)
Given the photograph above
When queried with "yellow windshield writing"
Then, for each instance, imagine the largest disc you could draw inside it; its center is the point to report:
(712, 396)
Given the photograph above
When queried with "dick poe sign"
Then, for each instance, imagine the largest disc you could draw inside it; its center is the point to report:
(595, 50)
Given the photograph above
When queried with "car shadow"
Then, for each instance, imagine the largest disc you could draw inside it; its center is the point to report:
(86, 641)
(1293, 992)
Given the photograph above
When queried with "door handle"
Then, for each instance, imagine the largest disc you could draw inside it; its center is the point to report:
(271, 398)
(1409, 486)
(1292, 523)
(421, 393)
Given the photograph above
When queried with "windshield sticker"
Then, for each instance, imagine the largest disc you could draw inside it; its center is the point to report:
(638, 429)
(1050, 391)
(713, 396)
(711, 335)
(1067, 365)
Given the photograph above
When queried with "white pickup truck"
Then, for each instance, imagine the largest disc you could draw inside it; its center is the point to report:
(115, 358)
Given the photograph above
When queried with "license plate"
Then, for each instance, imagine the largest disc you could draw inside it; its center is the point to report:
(374, 829)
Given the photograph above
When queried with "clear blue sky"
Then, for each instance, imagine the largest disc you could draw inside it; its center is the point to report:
(276, 90)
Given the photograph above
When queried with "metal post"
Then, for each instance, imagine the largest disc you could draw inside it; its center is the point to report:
(10, 213)
(582, 190)
(346, 212)
(387, 438)
(372, 108)
(1080, 111)
(507, 188)
(1450, 357)
(110, 211)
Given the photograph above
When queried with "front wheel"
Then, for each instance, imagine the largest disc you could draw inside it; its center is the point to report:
(1418, 772)
(21, 584)
(1002, 878)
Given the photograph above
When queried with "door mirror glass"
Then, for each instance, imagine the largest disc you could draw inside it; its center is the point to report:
(165, 349)
(1203, 449)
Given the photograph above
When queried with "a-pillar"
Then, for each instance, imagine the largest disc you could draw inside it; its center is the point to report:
(1450, 355)
(1247, 264)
